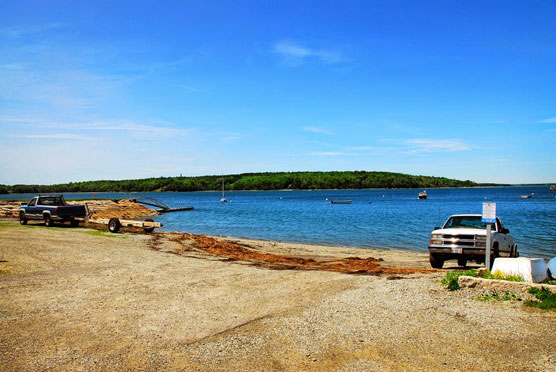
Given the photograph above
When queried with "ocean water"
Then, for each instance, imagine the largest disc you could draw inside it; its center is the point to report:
(376, 218)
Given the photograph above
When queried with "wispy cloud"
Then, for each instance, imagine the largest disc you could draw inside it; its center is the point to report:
(326, 153)
(131, 126)
(58, 129)
(231, 138)
(190, 88)
(295, 54)
(549, 120)
(435, 145)
(55, 136)
(359, 148)
(35, 29)
(56, 86)
(317, 130)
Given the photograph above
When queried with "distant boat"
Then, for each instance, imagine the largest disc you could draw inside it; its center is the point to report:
(223, 200)
(553, 188)
(422, 194)
(340, 201)
(526, 196)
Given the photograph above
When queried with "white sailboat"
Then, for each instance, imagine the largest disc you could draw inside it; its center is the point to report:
(223, 200)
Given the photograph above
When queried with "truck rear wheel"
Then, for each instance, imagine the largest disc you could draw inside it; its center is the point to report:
(462, 262)
(47, 220)
(22, 219)
(514, 253)
(114, 225)
(74, 222)
(436, 261)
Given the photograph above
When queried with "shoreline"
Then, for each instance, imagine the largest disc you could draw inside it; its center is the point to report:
(284, 190)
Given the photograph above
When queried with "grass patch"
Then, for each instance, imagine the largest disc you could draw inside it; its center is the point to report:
(493, 295)
(545, 299)
(102, 233)
(501, 276)
(451, 279)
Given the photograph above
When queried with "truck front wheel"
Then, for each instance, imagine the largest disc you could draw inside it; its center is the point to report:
(436, 261)
(462, 262)
(22, 219)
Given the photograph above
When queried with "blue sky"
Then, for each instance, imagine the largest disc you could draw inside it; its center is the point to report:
(130, 89)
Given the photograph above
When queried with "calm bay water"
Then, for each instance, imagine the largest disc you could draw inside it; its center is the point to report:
(376, 218)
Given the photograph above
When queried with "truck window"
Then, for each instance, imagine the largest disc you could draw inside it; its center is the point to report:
(465, 221)
(51, 201)
(33, 202)
(499, 225)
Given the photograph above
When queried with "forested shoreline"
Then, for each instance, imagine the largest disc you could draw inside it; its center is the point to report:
(251, 181)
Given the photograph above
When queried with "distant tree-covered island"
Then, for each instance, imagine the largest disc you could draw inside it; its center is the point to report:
(252, 181)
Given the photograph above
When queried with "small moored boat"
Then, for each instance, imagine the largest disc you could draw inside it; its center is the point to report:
(223, 200)
(340, 201)
(422, 194)
(527, 196)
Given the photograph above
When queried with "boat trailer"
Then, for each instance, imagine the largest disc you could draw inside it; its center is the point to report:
(114, 224)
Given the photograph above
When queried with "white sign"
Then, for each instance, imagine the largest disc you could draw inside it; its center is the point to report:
(489, 212)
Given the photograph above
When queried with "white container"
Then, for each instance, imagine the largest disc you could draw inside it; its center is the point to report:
(552, 267)
(532, 270)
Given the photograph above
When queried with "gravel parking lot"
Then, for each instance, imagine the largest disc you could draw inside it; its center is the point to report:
(79, 299)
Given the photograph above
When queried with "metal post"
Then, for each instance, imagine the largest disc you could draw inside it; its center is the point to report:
(487, 250)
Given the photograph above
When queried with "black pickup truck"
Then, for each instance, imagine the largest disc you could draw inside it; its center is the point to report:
(50, 209)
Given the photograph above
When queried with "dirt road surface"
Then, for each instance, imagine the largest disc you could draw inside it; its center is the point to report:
(75, 299)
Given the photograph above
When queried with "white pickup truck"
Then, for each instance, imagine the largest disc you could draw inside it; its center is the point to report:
(463, 237)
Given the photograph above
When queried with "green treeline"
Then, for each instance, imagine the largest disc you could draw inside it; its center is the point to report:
(251, 181)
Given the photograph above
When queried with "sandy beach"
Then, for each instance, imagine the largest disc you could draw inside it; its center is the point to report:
(78, 299)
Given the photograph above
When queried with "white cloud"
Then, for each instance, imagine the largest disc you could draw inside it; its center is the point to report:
(549, 120)
(317, 130)
(295, 54)
(435, 145)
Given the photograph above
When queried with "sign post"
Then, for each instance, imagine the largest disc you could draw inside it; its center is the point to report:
(489, 216)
